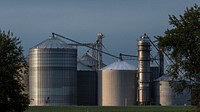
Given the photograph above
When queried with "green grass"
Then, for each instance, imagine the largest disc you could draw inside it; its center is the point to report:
(110, 109)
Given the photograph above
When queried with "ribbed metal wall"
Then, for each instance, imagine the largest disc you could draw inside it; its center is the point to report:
(164, 95)
(144, 70)
(154, 75)
(117, 87)
(87, 88)
(53, 76)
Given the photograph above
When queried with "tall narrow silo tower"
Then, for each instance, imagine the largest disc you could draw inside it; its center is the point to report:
(99, 47)
(144, 70)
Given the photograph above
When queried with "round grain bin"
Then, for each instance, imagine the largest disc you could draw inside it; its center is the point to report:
(117, 85)
(164, 94)
(53, 73)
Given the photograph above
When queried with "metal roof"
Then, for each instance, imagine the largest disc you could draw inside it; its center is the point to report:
(168, 77)
(120, 65)
(165, 77)
(52, 42)
(83, 67)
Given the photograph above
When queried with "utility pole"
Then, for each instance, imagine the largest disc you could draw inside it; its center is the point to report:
(161, 61)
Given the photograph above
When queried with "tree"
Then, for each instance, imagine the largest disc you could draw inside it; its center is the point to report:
(182, 44)
(12, 66)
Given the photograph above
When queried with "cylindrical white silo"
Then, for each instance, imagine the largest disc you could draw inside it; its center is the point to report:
(53, 73)
(164, 94)
(117, 85)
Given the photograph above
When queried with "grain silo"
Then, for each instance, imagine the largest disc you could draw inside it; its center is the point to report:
(53, 73)
(86, 85)
(117, 85)
(164, 94)
(144, 70)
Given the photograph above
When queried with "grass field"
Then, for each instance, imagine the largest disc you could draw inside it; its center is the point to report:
(110, 109)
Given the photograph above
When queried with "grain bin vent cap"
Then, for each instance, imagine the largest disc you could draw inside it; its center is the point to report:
(144, 38)
(52, 42)
(120, 65)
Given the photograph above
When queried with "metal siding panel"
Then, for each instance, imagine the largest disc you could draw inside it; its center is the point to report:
(154, 75)
(166, 96)
(119, 87)
(53, 76)
(87, 88)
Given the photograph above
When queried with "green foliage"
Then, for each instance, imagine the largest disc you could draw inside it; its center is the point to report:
(182, 43)
(12, 66)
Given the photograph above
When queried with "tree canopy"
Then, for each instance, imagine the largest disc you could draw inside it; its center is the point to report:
(12, 67)
(182, 44)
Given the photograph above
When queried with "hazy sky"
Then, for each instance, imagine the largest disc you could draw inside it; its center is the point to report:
(121, 21)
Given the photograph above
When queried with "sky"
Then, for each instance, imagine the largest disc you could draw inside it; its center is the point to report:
(121, 21)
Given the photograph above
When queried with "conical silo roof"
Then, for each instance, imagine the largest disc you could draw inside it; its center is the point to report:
(52, 42)
(165, 77)
(120, 65)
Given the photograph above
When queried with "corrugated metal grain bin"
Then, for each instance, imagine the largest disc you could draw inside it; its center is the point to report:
(164, 94)
(117, 85)
(53, 73)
